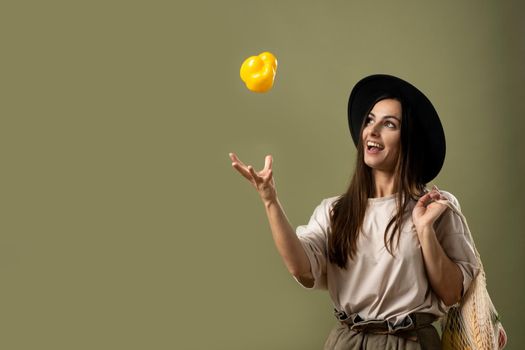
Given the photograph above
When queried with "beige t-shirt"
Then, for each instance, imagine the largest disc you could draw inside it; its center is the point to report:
(376, 285)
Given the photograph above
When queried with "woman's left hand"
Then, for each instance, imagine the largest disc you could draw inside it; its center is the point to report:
(502, 339)
(426, 210)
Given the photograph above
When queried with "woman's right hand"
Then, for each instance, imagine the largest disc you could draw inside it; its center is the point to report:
(262, 181)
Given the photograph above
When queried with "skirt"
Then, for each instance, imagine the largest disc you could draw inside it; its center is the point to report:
(420, 336)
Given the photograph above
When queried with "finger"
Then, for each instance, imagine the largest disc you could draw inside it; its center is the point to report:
(440, 197)
(437, 198)
(436, 189)
(423, 199)
(427, 198)
(239, 165)
(268, 162)
(502, 337)
(242, 170)
(435, 195)
(234, 157)
(268, 177)
(255, 176)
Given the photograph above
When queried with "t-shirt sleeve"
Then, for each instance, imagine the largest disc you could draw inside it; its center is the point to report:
(453, 236)
(314, 238)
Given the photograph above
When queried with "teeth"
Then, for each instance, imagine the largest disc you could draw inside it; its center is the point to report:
(375, 144)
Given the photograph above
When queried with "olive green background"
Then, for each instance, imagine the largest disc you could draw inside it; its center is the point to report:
(124, 225)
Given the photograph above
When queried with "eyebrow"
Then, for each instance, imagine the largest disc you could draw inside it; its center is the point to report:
(386, 117)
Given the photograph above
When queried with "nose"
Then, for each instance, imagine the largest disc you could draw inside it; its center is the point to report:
(374, 130)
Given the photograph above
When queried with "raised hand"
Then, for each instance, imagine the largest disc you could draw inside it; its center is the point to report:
(427, 209)
(262, 180)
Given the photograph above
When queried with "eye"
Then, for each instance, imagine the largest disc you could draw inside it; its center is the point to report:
(389, 124)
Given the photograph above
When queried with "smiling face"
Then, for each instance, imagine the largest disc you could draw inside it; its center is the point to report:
(382, 135)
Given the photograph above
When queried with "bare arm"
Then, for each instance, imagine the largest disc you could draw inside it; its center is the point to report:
(444, 275)
(288, 244)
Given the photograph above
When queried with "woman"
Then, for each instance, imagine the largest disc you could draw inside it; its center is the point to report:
(392, 259)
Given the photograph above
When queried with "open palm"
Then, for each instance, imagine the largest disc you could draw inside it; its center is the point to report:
(262, 180)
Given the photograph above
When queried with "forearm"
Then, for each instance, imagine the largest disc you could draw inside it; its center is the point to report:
(287, 243)
(446, 279)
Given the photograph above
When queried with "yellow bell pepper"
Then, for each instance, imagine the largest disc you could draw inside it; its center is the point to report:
(258, 72)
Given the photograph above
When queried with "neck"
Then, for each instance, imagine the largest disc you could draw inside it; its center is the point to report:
(384, 183)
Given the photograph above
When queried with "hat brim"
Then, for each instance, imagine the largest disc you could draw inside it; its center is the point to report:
(430, 142)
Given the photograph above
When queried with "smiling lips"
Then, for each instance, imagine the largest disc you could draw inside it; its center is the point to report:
(374, 147)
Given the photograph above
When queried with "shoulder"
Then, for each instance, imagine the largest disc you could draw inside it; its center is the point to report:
(449, 217)
(328, 203)
(324, 207)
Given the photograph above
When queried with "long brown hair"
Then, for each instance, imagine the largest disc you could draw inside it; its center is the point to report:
(349, 209)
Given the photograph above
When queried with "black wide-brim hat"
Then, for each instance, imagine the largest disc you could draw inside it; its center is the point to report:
(428, 135)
